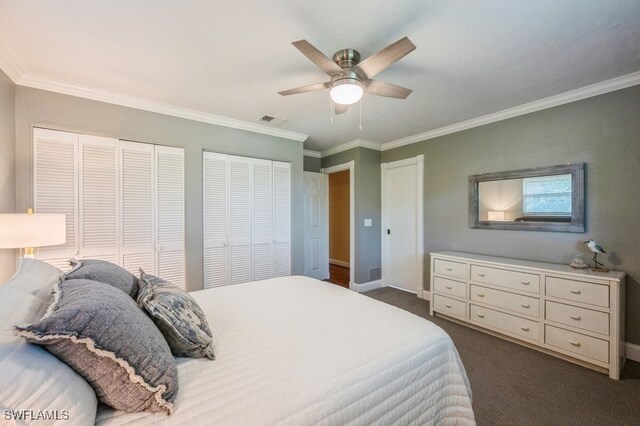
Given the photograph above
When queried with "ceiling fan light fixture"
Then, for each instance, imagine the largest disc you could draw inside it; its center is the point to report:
(346, 91)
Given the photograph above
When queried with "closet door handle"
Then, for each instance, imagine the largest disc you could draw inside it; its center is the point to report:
(574, 291)
(575, 317)
(574, 343)
(525, 305)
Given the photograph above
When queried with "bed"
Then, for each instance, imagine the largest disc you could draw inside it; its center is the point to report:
(298, 351)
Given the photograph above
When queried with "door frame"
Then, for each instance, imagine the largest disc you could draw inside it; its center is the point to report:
(351, 165)
(419, 162)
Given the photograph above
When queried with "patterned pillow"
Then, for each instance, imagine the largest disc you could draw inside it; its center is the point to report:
(104, 272)
(99, 331)
(178, 317)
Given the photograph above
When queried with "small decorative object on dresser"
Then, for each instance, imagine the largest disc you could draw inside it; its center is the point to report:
(577, 315)
(578, 262)
(596, 248)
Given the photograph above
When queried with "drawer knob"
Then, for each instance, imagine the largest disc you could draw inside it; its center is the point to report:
(448, 306)
(481, 275)
(575, 317)
(449, 269)
(524, 328)
(480, 315)
(525, 282)
(525, 305)
(448, 287)
(480, 294)
(574, 343)
(574, 291)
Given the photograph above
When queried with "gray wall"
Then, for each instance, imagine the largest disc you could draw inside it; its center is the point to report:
(7, 166)
(367, 206)
(41, 108)
(312, 164)
(603, 132)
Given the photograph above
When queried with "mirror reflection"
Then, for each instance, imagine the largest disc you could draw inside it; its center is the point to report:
(530, 199)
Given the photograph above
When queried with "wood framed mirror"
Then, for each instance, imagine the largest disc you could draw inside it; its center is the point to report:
(538, 199)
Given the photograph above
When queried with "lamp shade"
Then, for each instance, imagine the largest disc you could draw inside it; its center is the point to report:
(346, 91)
(32, 230)
(496, 215)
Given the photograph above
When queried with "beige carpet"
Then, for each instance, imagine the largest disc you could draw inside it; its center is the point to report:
(513, 385)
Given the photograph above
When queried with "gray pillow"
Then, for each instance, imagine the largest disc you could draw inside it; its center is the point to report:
(99, 331)
(104, 272)
(178, 317)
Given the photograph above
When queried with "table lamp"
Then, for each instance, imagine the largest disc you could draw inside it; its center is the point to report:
(496, 215)
(26, 231)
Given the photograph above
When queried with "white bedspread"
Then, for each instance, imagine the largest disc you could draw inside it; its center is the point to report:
(297, 351)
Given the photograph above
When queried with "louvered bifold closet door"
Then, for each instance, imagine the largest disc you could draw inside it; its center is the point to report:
(98, 198)
(170, 254)
(281, 219)
(262, 247)
(216, 219)
(240, 229)
(137, 206)
(55, 188)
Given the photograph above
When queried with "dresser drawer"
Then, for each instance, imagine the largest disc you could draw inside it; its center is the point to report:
(509, 279)
(509, 324)
(595, 321)
(453, 288)
(577, 343)
(505, 300)
(449, 306)
(578, 291)
(452, 269)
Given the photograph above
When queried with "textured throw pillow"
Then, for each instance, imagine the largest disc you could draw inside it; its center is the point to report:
(178, 317)
(99, 331)
(104, 272)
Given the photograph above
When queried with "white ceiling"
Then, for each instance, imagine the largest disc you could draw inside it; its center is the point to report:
(231, 58)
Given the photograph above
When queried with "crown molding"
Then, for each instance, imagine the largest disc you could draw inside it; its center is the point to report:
(152, 106)
(9, 66)
(309, 153)
(362, 143)
(550, 102)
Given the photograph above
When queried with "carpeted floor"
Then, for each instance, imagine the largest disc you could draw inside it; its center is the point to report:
(513, 385)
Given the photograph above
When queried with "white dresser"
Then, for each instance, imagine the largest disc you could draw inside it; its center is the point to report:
(574, 314)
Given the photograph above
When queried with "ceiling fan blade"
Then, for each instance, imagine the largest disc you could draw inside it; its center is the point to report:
(317, 57)
(382, 60)
(389, 90)
(341, 109)
(303, 89)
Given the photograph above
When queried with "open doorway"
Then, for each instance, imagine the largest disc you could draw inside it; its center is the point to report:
(339, 228)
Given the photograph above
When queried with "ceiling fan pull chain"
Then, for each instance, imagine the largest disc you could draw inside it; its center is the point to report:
(331, 110)
(360, 115)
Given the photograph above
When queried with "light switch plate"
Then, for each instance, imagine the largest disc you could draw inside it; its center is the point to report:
(368, 222)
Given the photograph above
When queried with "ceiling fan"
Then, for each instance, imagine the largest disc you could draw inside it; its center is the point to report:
(350, 77)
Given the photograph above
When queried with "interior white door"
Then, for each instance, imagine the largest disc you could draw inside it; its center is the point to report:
(55, 188)
(216, 219)
(170, 252)
(240, 215)
(137, 200)
(403, 262)
(281, 219)
(316, 225)
(98, 193)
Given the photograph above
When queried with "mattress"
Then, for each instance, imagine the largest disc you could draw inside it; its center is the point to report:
(298, 351)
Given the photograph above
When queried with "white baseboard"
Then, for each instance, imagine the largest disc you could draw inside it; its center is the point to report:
(339, 263)
(371, 285)
(426, 295)
(632, 351)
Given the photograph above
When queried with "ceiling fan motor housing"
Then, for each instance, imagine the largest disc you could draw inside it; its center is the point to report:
(346, 58)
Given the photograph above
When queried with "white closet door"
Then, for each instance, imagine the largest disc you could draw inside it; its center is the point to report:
(281, 219)
(98, 199)
(262, 220)
(240, 229)
(56, 188)
(216, 219)
(170, 254)
(137, 201)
